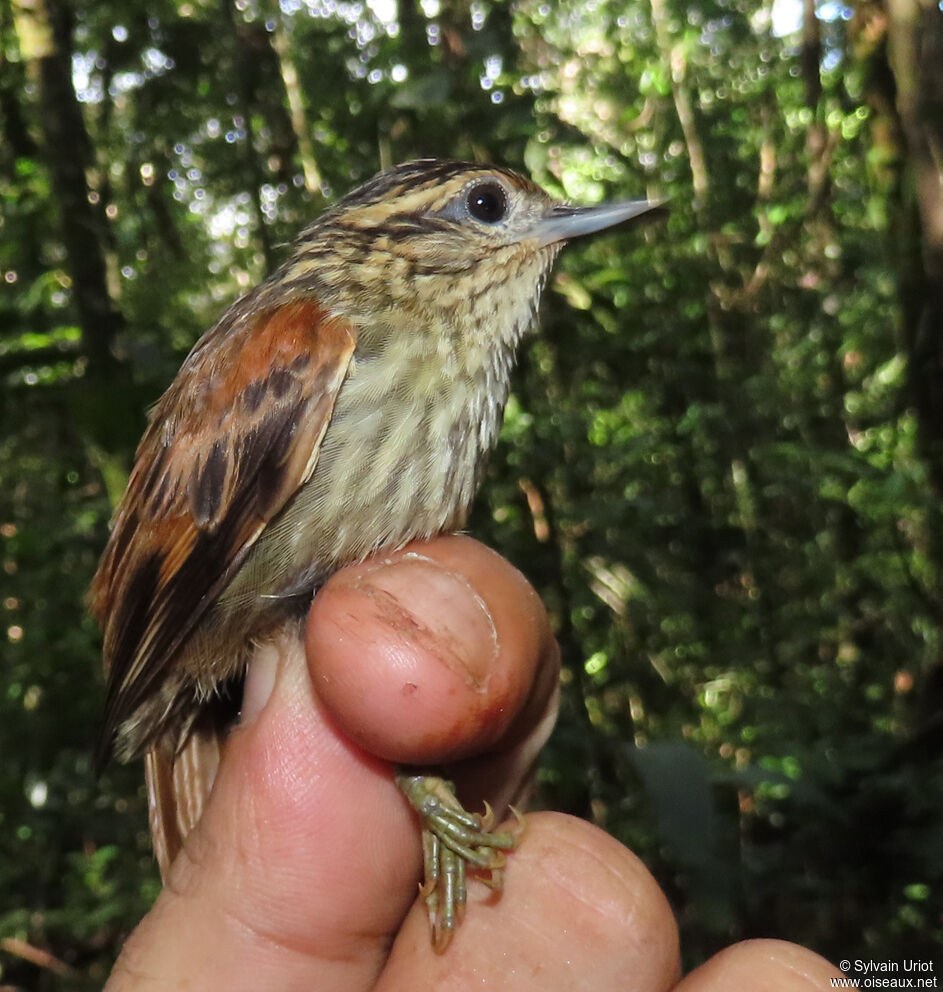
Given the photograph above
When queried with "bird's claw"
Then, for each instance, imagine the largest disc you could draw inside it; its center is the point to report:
(454, 840)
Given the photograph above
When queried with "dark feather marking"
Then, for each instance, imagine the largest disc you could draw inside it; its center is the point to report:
(280, 382)
(134, 620)
(206, 485)
(399, 227)
(253, 395)
(160, 500)
(122, 537)
(156, 479)
(453, 266)
(270, 447)
(156, 467)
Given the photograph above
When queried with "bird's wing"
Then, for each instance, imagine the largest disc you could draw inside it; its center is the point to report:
(228, 445)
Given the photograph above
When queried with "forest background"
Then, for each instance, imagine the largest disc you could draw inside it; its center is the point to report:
(722, 461)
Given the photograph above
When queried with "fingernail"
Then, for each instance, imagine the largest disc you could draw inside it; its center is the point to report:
(455, 623)
(260, 681)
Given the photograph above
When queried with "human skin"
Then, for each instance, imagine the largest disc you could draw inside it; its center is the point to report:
(303, 871)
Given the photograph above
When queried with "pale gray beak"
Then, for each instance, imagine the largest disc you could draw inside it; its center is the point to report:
(564, 222)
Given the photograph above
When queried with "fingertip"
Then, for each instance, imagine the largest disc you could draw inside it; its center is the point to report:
(771, 965)
(429, 654)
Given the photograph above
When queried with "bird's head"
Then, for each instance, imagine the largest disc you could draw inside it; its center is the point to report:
(471, 243)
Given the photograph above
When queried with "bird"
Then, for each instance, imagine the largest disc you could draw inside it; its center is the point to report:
(343, 407)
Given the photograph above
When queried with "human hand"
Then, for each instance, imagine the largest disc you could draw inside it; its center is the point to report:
(303, 871)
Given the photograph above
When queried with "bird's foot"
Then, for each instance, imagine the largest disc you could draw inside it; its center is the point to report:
(453, 841)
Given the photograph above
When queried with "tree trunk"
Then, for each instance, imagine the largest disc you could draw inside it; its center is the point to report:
(44, 29)
(915, 51)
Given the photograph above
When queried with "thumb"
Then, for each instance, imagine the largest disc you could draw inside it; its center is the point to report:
(287, 879)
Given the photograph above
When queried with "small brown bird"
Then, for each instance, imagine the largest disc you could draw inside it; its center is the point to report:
(342, 407)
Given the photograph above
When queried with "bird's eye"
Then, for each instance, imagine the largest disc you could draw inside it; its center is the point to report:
(487, 202)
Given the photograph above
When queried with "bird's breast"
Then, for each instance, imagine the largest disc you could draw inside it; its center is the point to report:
(400, 460)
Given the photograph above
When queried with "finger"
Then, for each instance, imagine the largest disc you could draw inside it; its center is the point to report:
(771, 965)
(436, 653)
(578, 911)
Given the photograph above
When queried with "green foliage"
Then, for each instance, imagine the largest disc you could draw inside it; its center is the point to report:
(712, 467)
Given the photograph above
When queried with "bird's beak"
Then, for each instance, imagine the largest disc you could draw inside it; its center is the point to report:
(564, 222)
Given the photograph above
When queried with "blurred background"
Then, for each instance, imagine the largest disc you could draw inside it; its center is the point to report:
(721, 465)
